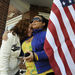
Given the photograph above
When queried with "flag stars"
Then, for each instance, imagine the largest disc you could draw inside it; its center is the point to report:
(63, 3)
(70, 1)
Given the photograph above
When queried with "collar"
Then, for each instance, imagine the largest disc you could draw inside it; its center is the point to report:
(35, 31)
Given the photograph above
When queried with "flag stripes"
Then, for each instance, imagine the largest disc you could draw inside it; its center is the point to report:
(60, 39)
(59, 48)
(66, 21)
(52, 60)
(71, 49)
(56, 56)
(70, 18)
(73, 6)
(72, 11)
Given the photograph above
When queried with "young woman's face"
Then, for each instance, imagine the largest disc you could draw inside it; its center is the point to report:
(37, 22)
(29, 31)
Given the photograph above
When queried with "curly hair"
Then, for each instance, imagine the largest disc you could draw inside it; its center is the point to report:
(21, 28)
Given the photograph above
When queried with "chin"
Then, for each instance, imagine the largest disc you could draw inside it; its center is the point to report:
(29, 35)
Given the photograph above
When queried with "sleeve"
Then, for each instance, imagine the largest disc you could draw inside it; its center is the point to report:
(5, 55)
(41, 55)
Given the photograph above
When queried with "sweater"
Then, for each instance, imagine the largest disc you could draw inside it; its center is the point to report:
(9, 53)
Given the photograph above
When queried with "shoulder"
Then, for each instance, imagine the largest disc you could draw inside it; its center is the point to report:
(11, 36)
(41, 34)
(40, 37)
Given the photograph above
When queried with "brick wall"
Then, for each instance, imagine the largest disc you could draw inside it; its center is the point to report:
(13, 12)
(4, 4)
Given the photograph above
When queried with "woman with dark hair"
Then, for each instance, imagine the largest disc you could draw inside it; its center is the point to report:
(10, 48)
(37, 62)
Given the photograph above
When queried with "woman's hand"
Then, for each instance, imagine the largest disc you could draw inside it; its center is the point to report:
(5, 37)
(30, 57)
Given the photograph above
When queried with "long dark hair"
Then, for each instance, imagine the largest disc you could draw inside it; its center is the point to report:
(21, 28)
(44, 20)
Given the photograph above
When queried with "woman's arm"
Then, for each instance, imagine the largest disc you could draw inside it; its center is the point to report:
(42, 55)
(39, 48)
(5, 36)
(37, 56)
(5, 55)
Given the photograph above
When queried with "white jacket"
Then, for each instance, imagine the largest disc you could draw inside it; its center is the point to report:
(8, 58)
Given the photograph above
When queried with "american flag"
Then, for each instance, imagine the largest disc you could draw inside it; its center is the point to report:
(60, 37)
